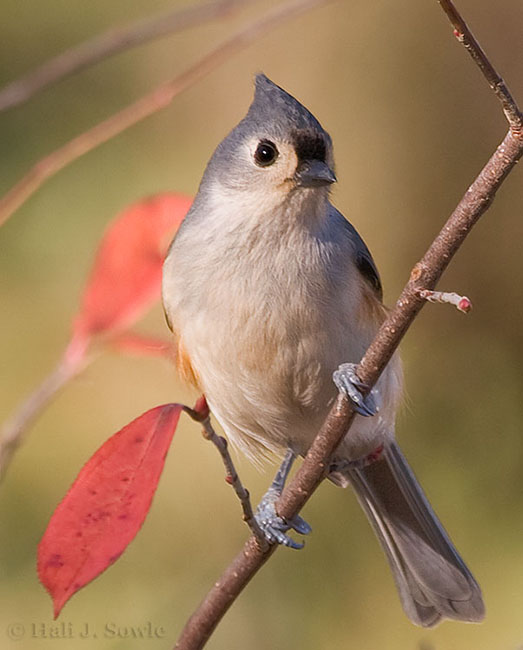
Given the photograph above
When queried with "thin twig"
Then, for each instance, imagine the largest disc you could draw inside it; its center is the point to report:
(147, 105)
(15, 429)
(462, 303)
(231, 475)
(138, 344)
(74, 361)
(500, 88)
(110, 43)
(424, 276)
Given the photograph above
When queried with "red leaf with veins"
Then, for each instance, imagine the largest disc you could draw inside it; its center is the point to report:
(106, 505)
(126, 276)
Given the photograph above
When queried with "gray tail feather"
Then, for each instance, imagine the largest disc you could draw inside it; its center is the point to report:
(432, 579)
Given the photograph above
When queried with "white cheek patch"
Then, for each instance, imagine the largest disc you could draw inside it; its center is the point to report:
(281, 170)
(262, 192)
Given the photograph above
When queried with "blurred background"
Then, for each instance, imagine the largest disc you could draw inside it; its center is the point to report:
(413, 122)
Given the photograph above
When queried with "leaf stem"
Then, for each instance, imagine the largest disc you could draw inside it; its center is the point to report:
(231, 475)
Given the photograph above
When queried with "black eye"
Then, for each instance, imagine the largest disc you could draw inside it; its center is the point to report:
(265, 154)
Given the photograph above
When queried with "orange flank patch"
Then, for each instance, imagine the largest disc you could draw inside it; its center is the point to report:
(185, 369)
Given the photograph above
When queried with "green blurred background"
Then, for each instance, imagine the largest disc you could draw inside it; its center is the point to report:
(413, 122)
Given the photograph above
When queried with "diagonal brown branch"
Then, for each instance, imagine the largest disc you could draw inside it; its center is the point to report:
(147, 105)
(424, 275)
(110, 43)
(465, 36)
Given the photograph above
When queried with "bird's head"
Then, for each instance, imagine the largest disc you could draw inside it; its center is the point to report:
(279, 151)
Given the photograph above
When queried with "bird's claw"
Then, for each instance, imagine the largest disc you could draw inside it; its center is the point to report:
(348, 383)
(274, 527)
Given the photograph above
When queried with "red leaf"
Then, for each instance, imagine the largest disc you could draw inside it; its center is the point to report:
(106, 505)
(126, 276)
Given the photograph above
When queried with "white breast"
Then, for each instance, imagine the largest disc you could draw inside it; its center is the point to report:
(266, 312)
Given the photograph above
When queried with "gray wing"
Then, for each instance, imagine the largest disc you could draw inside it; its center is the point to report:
(364, 261)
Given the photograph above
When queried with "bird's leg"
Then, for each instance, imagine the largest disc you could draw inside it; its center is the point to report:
(348, 383)
(273, 526)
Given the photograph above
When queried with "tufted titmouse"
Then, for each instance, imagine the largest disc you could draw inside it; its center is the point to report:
(268, 289)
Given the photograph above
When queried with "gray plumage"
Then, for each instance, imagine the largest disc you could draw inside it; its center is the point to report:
(432, 580)
(267, 289)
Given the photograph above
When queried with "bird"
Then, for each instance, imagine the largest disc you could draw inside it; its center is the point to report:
(273, 297)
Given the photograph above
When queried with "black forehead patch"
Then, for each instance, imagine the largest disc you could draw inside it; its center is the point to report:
(309, 145)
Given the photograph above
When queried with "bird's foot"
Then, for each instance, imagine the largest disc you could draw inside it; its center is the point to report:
(275, 527)
(348, 383)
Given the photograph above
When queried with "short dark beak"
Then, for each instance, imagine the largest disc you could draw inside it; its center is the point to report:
(314, 173)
